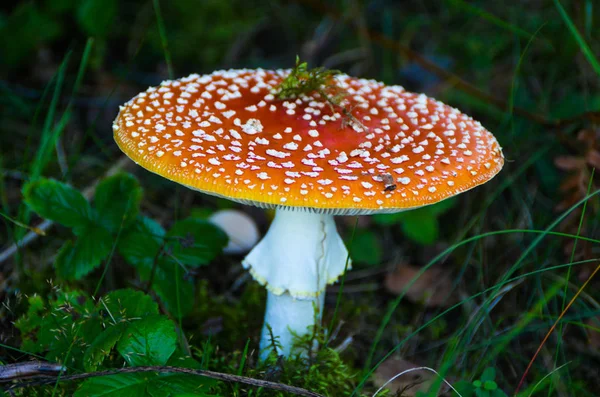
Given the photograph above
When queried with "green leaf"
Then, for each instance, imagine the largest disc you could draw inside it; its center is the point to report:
(30, 323)
(482, 393)
(488, 374)
(499, 393)
(102, 346)
(178, 359)
(430, 210)
(366, 248)
(195, 242)
(150, 341)
(127, 305)
(58, 202)
(122, 385)
(145, 384)
(465, 388)
(66, 325)
(420, 227)
(96, 17)
(441, 207)
(167, 385)
(141, 244)
(173, 288)
(388, 219)
(117, 201)
(490, 385)
(75, 260)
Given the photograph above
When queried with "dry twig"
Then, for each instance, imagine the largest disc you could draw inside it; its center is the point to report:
(45, 380)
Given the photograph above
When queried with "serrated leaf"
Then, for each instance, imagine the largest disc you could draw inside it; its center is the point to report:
(58, 202)
(117, 201)
(173, 288)
(102, 346)
(144, 385)
(64, 326)
(150, 341)
(178, 359)
(195, 242)
(141, 243)
(127, 305)
(122, 385)
(77, 259)
(169, 385)
(420, 227)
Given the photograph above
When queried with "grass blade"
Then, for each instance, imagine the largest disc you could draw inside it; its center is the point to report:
(585, 48)
(554, 326)
(163, 37)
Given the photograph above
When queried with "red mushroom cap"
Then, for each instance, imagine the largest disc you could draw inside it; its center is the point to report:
(228, 135)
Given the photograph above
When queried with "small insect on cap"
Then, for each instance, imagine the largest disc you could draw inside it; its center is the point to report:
(383, 149)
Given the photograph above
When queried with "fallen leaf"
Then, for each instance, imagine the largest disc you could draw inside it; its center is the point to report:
(433, 288)
(569, 163)
(408, 384)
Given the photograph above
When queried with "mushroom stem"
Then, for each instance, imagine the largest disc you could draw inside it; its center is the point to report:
(301, 253)
(288, 316)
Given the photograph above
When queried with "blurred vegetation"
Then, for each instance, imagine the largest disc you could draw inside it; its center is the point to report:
(144, 275)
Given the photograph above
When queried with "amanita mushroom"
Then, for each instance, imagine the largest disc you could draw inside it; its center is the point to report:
(227, 134)
(240, 228)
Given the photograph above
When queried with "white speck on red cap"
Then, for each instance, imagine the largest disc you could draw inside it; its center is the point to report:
(230, 121)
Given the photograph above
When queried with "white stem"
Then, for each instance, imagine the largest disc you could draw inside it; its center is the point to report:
(288, 316)
(301, 253)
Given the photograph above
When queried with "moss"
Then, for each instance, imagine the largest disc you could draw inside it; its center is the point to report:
(319, 369)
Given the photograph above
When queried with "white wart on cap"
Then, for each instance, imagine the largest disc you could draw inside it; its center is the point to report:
(227, 134)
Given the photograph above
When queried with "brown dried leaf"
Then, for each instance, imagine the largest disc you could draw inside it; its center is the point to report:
(570, 183)
(588, 137)
(406, 385)
(593, 159)
(433, 288)
(569, 163)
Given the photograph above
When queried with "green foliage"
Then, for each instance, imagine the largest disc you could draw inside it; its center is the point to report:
(485, 386)
(60, 327)
(97, 16)
(142, 243)
(318, 369)
(420, 225)
(144, 385)
(150, 341)
(366, 248)
(123, 327)
(160, 257)
(58, 202)
(117, 204)
(76, 259)
(26, 28)
(304, 81)
(117, 200)
(195, 242)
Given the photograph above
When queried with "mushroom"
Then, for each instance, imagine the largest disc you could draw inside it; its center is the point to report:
(240, 228)
(227, 134)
